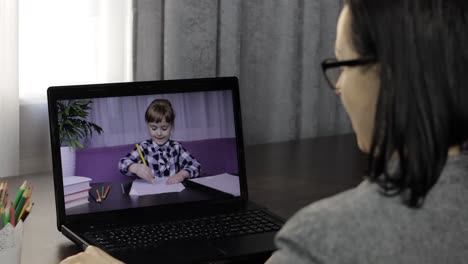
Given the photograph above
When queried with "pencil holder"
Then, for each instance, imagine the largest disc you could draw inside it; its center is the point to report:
(10, 243)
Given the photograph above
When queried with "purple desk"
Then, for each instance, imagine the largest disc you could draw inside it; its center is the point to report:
(116, 199)
(216, 156)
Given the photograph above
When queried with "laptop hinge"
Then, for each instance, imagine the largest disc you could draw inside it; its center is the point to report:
(74, 237)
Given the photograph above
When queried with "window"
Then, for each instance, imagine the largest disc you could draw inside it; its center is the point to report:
(72, 42)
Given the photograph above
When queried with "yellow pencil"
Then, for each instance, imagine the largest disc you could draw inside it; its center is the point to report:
(26, 213)
(141, 154)
(142, 158)
(26, 205)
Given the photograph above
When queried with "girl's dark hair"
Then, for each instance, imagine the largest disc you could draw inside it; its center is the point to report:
(422, 108)
(158, 110)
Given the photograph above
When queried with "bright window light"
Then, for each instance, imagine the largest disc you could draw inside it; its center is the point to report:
(65, 42)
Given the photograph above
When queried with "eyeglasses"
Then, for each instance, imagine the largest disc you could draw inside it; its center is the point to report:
(332, 68)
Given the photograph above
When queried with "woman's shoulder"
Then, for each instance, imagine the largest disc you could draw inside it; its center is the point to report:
(339, 222)
(344, 208)
(347, 225)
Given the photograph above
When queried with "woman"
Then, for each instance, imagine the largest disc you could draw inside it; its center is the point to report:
(401, 77)
(403, 84)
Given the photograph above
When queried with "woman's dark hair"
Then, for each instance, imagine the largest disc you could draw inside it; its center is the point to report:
(422, 107)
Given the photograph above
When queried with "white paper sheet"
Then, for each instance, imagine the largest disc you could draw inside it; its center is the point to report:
(224, 182)
(142, 187)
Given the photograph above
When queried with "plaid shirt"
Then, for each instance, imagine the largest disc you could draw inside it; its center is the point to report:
(164, 161)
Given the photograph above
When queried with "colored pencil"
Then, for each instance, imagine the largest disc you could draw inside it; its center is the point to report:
(30, 192)
(19, 194)
(9, 211)
(143, 158)
(5, 201)
(6, 215)
(21, 202)
(141, 154)
(1, 216)
(27, 212)
(1, 191)
(26, 205)
(106, 192)
(98, 195)
(12, 214)
(92, 196)
(4, 193)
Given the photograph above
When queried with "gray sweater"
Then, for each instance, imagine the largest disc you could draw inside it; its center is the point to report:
(363, 226)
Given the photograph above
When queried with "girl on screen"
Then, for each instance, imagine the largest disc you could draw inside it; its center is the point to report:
(160, 156)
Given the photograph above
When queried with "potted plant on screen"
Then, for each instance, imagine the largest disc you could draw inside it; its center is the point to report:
(73, 127)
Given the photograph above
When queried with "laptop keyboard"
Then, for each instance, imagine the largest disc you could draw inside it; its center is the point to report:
(210, 227)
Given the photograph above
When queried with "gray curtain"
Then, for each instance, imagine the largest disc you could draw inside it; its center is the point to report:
(274, 46)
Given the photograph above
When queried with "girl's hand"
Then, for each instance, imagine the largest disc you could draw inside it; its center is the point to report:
(142, 171)
(178, 177)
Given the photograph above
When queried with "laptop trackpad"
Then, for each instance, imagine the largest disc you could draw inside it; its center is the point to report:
(183, 251)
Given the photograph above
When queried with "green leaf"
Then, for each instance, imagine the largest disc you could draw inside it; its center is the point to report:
(73, 124)
(79, 144)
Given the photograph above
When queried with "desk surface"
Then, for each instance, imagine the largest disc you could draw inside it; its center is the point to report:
(282, 176)
(119, 198)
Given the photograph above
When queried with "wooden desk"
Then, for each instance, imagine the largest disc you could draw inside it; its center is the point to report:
(282, 176)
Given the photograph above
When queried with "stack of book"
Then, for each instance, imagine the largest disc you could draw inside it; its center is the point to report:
(76, 190)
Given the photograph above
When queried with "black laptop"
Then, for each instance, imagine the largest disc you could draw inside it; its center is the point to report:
(206, 218)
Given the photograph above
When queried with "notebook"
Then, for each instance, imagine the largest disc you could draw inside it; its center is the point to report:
(206, 218)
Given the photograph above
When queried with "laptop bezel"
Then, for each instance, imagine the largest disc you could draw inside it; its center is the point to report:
(56, 93)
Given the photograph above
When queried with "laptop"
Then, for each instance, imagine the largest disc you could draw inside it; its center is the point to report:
(97, 130)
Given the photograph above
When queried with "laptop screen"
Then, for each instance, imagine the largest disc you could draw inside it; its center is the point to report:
(155, 147)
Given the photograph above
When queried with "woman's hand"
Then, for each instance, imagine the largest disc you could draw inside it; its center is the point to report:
(178, 177)
(92, 255)
(142, 171)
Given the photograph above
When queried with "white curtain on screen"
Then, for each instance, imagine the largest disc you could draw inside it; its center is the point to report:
(198, 116)
(63, 42)
(9, 109)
